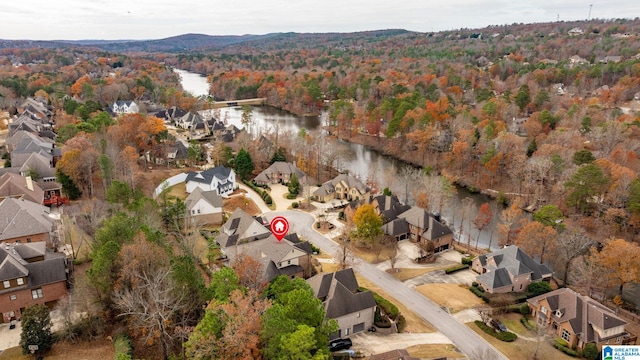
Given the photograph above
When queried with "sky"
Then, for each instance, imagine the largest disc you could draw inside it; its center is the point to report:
(157, 19)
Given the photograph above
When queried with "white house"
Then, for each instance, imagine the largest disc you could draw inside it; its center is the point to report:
(219, 179)
(125, 107)
(204, 207)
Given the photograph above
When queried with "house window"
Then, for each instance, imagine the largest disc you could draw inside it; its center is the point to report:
(7, 284)
(565, 335)
(543, 310)
(36, 293)
(346, 331)
(12, 297)
(618, 339)
(20, 281)
(29, 240)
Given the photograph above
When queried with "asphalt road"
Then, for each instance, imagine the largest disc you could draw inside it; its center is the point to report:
(464, 338)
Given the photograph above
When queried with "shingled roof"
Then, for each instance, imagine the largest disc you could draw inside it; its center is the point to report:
(241, 227)
(14, 185)
(339, 293)
(19, 218)
(509, 262)
(279, 167)
(583, 314)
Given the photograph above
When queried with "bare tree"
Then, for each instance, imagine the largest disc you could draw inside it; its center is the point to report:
(571, 244)
(468, 206)
(151, 307)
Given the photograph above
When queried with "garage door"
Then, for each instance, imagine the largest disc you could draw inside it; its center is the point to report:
(358, 328)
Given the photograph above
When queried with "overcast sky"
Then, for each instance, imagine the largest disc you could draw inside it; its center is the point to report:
(156, 19)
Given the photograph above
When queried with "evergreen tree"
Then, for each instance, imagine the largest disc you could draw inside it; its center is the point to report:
(532, 147)
(36, 329)
(68, 186)
(243, 164)
(294, 184)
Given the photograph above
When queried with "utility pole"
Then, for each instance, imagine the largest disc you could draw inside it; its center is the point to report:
(590, 6)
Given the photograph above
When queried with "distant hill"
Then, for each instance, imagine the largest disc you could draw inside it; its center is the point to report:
(194, 42)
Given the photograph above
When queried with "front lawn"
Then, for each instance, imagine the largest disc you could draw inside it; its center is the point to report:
(456, 297)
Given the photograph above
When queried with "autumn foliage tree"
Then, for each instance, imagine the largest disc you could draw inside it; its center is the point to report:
(537, 239)
(230, 329)
(510, 223)
(620, 260)
(482, 220)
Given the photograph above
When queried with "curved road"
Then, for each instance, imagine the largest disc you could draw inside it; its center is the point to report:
(464, 338)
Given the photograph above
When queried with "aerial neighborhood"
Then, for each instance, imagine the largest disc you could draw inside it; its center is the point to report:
(385, 195)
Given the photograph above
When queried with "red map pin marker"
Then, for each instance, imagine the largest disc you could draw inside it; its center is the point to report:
(279, 227)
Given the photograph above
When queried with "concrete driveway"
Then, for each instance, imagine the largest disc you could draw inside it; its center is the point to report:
(374, 343)
(465, 277)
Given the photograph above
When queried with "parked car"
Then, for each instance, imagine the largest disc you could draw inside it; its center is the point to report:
(339, 344)
(498, 326)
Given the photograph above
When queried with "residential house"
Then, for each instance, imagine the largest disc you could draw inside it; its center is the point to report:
(20, 187)
(576, 60)
(508, 270)
(23, 221)
(192, 121)
(171, 114)
(279, 172)
(220, 179)
(344, 302)
(203, 208)
(176, 152)
(420, 226)
(399, 354)
(342, 187)
(242, 234)
(388, 207)
(30, 275)
(610, 59)
(579, 319)
(125, 107)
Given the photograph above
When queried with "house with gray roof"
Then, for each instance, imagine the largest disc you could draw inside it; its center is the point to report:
(239, 228)
(279, 172)
(30, 274)
(203, 208)
(243, 234)
(342, 187)
(508, 270)
(20, 187)
(579, 320)
(344, 302)
(388, 207)
(220, 179)
(420, 226)
(23, 221)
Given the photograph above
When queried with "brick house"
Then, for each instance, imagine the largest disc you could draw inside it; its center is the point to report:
(508, 270)
(279, 172)
(30, 275)
(23, 221)
(579, 319)
(420, 226)
(342, 187)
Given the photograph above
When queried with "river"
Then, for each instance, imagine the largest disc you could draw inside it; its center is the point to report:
(357, 159)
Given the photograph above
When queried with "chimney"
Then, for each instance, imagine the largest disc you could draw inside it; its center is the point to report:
(29, 183)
